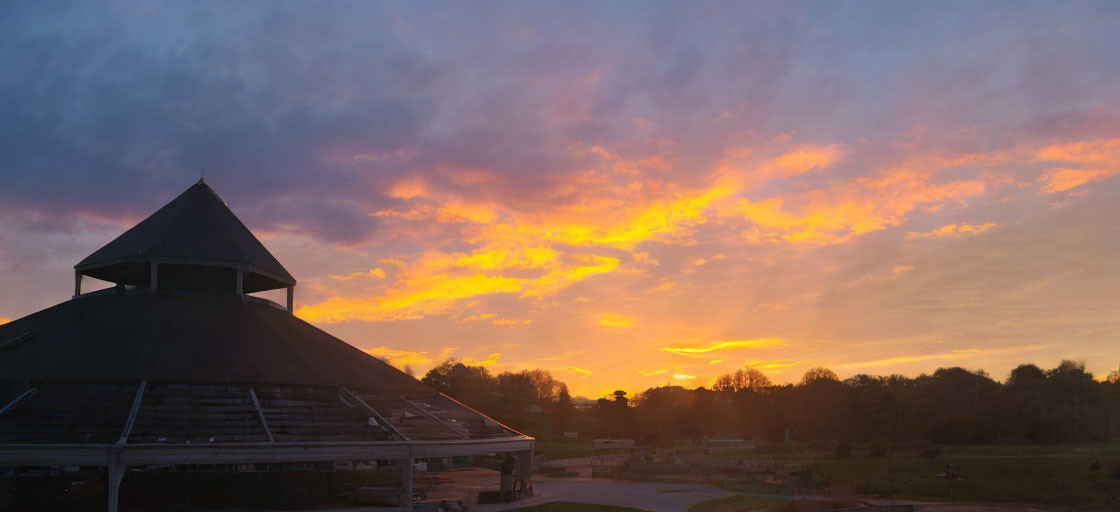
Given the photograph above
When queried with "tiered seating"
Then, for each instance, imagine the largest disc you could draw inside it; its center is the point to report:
(69, 413)
(410, 421)
(196, 413)
(474, 424)
(300, 413)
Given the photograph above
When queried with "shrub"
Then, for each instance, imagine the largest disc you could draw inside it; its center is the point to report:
(843, 449)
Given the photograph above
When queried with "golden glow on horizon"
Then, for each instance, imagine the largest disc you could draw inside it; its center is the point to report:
(626, 234)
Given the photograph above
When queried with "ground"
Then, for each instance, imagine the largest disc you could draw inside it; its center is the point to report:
(992, 479)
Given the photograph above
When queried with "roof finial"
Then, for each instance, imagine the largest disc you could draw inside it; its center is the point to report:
(202, 174)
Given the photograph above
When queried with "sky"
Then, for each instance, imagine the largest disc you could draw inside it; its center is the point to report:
(626, 194)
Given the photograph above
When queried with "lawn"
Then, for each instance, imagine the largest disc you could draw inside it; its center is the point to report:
(563, 506)
(1042, 479)
(553, 450)
(739, 503)
(999, 474)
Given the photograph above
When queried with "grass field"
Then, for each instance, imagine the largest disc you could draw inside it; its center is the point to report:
(735, 504)
(554, 450)
(1049, 476)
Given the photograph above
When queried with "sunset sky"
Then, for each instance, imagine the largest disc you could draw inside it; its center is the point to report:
(624, 194)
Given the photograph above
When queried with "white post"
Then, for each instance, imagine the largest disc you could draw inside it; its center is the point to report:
(116, 474)
(291, 298)
(155, 276)
(77, 283)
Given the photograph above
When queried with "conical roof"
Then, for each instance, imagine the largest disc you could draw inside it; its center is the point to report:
(122, 337)
(196, 228)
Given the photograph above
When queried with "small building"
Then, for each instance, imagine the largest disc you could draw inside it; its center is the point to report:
(177, 366)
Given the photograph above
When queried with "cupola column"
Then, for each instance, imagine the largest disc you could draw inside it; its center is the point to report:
(155, 276)
(77, 283)
(291, 298)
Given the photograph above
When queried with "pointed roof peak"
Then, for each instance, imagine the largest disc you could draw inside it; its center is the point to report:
(195, 228)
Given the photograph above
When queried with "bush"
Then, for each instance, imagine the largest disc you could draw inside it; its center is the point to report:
(843, 449)
(1115, 473)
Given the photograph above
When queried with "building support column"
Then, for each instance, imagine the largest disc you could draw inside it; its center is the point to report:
(405, 467)
(240, 282)
(291, 298)
(524, 471)
(77, 283)
(116, 474)
(155, 276)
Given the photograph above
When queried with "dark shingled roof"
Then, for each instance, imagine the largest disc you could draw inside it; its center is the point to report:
(189, 337)
(195, 228)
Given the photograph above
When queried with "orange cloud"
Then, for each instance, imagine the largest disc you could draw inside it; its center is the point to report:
(400, 358)
(1099, 160)
(4, 320)
(490, 360)
(1062, 179)
(804, 158)
(648, 373)
(725, 345)
(681, 376)
(408, 188)
(507, 322)
(613, 320)
(771, 365)
(953, 231)
(376, 273)
(851, 208)
(581, 371)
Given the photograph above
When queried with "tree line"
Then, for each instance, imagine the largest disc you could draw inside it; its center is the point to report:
(1064, 404)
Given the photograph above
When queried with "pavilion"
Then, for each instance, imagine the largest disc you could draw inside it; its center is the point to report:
(177, 365)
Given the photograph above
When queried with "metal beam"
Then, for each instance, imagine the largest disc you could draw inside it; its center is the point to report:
(25, 394)
(248, 453)
(374, 412)
(260, 414)
(485, 418)
(116, 475)
(132, 414)
(457, 432)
